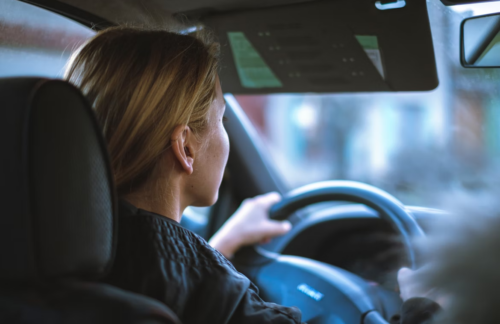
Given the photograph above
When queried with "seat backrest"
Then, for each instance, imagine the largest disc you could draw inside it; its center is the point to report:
(55, 184)
(57, 221)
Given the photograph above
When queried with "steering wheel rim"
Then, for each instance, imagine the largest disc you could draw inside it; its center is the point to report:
(388, 207)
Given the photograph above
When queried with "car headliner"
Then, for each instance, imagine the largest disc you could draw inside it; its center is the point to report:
(159, 11)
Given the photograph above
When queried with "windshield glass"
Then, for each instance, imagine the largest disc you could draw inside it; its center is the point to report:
(413, 145)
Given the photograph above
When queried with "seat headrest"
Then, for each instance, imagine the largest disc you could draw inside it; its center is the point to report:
(56, 192)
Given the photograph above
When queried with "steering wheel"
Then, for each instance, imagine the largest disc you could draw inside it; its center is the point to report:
(325, 293)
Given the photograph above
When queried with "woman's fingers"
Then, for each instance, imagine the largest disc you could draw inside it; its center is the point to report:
(275, 228)
(264, 226)
(250, 224)
(268, 200)
(404, 274)
(410, 286)
(405, 284)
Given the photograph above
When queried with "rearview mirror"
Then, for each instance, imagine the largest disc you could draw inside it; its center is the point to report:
(480, 41)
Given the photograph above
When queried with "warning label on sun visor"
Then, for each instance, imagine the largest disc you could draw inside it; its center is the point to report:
(252, 70)
(370, 45)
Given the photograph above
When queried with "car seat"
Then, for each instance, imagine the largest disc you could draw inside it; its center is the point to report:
(58, 213)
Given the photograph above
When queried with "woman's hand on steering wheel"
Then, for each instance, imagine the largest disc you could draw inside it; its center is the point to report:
(410, 286)
(249, 225)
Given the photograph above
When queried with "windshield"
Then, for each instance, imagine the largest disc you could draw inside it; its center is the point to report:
(413, 145)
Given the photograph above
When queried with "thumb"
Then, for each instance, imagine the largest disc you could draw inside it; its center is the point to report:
(404, 274)
(276, 228)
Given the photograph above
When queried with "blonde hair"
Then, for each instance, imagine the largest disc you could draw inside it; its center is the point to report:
(143, 83)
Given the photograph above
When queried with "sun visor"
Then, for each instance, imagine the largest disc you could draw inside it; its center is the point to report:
(331, 46)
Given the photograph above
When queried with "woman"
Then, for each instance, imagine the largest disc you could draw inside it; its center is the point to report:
(158, 98)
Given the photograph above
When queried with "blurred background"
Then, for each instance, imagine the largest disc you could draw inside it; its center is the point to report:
(414, 145)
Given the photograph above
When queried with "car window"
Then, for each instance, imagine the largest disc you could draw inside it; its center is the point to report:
(36, 42)
(414, 145)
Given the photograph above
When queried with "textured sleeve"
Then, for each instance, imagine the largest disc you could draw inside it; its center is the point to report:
(253, 310)
(417, 311)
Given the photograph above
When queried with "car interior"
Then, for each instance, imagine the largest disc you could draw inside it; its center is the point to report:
(339, 262)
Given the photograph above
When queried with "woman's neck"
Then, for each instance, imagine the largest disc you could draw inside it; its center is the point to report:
(159, 201)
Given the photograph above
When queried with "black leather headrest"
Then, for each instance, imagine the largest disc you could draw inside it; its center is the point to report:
(57, 199)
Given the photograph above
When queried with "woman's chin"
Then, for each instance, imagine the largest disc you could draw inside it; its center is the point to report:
(213, 200)
(207, 201)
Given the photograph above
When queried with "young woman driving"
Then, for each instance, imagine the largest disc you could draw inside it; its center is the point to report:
(158, 98)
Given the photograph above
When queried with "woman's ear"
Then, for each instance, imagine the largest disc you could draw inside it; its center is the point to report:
(182, 146)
